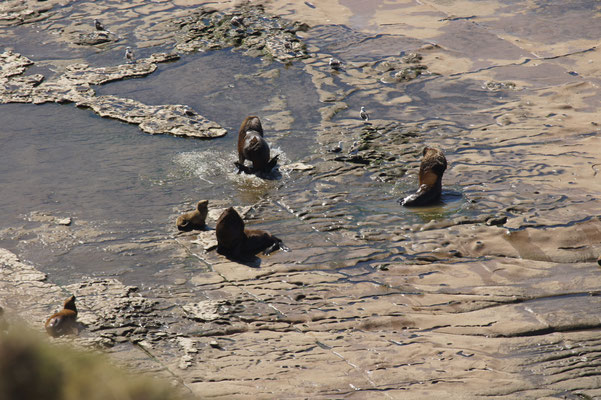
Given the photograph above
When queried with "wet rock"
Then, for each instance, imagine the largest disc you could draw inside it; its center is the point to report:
(74, 86)
(64, 221)
(172, 119)
(247, 27)
(412, 58)
(299, 166)
(500, 220)
(209, 310)
(494, 86)
(18, 12)
(410, 73)
(94, 38)
(12, 64)
(206, 239)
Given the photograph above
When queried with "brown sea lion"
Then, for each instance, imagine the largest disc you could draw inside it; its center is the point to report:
(64, 321)
(252, 146)
(431, 170)
(236, 242)
(194, 220)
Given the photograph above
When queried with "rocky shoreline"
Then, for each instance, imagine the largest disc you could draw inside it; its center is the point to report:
(493, 294)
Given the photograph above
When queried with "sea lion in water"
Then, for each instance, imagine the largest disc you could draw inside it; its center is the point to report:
(236, 242)
(252, 146)
(64, 321)
(194, 219)
(431, 170)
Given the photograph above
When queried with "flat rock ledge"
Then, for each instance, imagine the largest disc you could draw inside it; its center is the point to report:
(246, 27)
(73, 86)
(18, 12)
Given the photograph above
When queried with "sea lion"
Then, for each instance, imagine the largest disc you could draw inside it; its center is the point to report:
(431, 170)
(252, 146)
(64, 321)
(234, 241)
(194, 220)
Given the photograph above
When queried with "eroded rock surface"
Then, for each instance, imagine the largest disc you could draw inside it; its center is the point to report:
(247, 27)
(497, 284)
(74, 87)
(17, 12)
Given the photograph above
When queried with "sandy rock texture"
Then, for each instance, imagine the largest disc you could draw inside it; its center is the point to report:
(74, 87)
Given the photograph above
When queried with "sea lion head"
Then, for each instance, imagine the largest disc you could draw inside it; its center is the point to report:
(431, 170)
(70, 304)
(252, 123)
(230, 232)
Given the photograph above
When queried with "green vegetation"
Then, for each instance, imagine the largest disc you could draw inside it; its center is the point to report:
(33, 369)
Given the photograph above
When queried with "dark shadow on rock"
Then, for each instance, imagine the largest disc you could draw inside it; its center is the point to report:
(249, 261)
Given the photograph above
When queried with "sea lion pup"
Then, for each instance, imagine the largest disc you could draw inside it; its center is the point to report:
(236, 242)
(252, 146)
(64, 321)
(431, 170)
(194, 220)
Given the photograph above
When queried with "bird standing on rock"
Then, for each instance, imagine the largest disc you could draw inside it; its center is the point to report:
(336, 149)
(237, 20)
(129, 54)
(334, 63)
(98, 25)
(364, 115)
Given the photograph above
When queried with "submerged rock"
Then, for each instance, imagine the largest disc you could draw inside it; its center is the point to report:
(94, 38)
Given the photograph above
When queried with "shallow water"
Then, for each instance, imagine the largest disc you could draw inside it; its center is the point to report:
(130, 186)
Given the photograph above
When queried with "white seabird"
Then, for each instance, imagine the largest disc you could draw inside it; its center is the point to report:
(364, 115)
(98, 25)
(129, 54)
(334, 63)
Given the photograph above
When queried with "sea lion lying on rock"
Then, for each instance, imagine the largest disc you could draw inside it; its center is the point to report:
(194, 220)
(252, 146)
(431, 170)
(236, 242)
(64, 321)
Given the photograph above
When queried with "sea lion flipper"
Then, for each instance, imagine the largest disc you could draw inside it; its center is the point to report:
(278, 245)
(242, 168)
(272, 163)
(271, 249)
